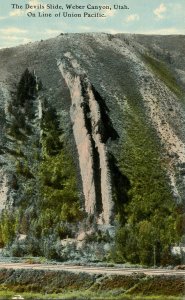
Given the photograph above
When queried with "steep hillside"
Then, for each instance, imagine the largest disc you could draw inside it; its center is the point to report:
(92, 154)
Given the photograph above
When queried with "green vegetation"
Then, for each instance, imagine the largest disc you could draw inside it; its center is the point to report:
(21, 108)
(150, 219)
(46, 202)
(83, 295)
(164, 74)
(58, 202)
(8, 227)
(27, 89)
(67, 285)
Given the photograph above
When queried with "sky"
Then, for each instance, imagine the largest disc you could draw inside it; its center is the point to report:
(23, 25)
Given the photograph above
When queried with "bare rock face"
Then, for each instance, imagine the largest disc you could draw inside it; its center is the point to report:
(3, 190)
(86, 118)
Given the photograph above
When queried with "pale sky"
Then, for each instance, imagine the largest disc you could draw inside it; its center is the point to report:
(143, 16)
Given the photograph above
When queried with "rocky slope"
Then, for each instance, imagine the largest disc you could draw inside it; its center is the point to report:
(120, 101)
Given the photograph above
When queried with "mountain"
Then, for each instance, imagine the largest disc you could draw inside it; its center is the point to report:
(92, 153)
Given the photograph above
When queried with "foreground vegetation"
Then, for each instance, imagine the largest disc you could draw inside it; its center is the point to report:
(83, 295)
(36, 284)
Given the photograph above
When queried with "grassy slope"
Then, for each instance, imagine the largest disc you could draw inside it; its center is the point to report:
(66, 285)
(162, 71)
(84, 295)
(151, 214)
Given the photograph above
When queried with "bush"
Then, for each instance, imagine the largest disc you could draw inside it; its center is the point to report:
(8, 227)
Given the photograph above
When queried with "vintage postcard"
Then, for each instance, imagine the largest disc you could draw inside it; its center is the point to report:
(92, 149)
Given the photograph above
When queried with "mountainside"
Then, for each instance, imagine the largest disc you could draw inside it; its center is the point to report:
(92, 153)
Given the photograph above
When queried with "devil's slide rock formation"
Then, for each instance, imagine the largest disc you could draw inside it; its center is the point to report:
(92, 151)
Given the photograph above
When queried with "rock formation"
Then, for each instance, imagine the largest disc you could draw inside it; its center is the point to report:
(92, 152)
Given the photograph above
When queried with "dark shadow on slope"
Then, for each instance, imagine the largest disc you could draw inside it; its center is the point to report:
(106, 128)
(121, 185)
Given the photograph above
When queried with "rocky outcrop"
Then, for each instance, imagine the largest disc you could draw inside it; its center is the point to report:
(3, 190)
(93, 159)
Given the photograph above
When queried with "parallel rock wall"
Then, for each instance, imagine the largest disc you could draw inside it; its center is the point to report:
(92, 151)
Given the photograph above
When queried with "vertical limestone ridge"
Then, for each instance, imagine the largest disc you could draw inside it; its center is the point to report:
(87, 128)
(82, 138)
